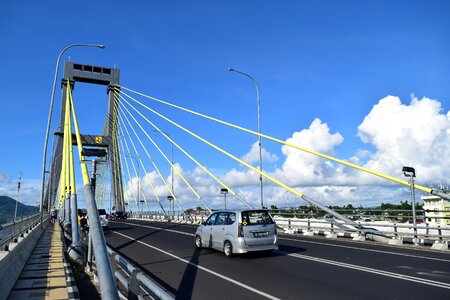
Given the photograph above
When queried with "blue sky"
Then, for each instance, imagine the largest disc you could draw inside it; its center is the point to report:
(330, 60)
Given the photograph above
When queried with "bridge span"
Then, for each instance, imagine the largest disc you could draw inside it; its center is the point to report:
(302, 268)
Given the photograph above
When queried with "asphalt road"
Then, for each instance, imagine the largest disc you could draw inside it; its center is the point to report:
(303, 268)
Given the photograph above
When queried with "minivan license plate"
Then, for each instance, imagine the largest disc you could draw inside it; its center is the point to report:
(260, 234)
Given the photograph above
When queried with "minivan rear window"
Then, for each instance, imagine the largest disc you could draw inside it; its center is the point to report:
(101, 212)
(256, 217)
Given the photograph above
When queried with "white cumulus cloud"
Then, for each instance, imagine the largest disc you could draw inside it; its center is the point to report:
(301, 168)
(417, 135)
(253, 155)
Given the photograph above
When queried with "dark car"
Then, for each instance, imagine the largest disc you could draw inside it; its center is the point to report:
(120, 215)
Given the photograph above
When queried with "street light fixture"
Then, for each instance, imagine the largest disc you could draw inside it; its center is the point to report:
(411, 173)
(259, 129)
(224, 192)
(44, 159)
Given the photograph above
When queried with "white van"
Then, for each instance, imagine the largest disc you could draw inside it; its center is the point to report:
(238, 231)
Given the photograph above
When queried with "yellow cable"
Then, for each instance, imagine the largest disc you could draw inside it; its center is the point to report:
(66, 145)
(83, 166)
(346, 163)
(70, 145)
(62, 176)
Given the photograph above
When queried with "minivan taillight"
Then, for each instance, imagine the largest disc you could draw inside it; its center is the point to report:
(240, 230)
(275, 231)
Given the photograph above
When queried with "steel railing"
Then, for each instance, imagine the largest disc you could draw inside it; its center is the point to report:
(397, 229)
(13, 230)
(133, 283)
(292, 220)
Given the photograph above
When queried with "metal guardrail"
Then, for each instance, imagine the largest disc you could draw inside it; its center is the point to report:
(133, 282)
(439, 233)
(13, 230)
(332, 225)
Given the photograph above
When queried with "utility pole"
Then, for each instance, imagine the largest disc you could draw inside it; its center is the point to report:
(18, 195)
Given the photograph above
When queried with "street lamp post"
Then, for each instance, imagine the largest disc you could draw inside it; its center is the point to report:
(142, 207)
(411, 173)
(224, 192)
(171, 205)
(44, 159)
(259, 129)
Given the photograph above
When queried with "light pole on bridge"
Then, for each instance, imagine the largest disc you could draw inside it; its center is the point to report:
(18, 196)
(224, 192)
(411, 173)
(259, 129)
(44, 159)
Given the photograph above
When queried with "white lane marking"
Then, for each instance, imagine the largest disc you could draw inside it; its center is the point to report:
(159, 228)
(365, 249)
(311, 242)
(370, 270)
(202, 268)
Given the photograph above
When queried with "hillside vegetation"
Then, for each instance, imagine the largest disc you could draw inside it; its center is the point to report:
(7, 207)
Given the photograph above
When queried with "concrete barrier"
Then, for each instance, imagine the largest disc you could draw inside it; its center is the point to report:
(11, 265)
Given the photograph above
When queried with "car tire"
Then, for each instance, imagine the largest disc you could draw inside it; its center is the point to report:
(198, 242)
(228, 249)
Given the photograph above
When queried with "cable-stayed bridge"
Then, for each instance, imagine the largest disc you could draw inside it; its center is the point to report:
(154, 254)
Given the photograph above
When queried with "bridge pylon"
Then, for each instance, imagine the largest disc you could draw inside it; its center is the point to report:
(108, 140)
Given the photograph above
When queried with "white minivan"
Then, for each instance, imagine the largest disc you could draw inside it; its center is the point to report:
(238, 231)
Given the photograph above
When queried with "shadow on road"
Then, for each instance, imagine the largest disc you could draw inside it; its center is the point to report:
(186, 286)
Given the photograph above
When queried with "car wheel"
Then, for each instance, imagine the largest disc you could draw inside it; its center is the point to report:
(228, 249)
(198, 242)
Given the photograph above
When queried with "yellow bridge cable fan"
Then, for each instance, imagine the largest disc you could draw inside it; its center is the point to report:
(156, 168)
(141, 163)
(126, 163)
(140, 190)
(165, 157)
(295, 192)
(190, 157)
(340, 161)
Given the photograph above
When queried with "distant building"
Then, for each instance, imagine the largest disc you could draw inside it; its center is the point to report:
(432, 205)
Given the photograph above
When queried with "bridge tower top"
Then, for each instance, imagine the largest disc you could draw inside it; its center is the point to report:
(78, 72)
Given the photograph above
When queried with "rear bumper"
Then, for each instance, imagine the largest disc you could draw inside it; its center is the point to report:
(241, 247)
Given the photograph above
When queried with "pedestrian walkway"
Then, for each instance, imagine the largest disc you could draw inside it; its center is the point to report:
(46, 275)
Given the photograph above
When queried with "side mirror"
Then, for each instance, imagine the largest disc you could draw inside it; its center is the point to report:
(203, 223)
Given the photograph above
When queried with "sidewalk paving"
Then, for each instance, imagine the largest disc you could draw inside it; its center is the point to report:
(46, 275)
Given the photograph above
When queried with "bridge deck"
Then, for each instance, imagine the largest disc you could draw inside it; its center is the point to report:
(46, 275)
